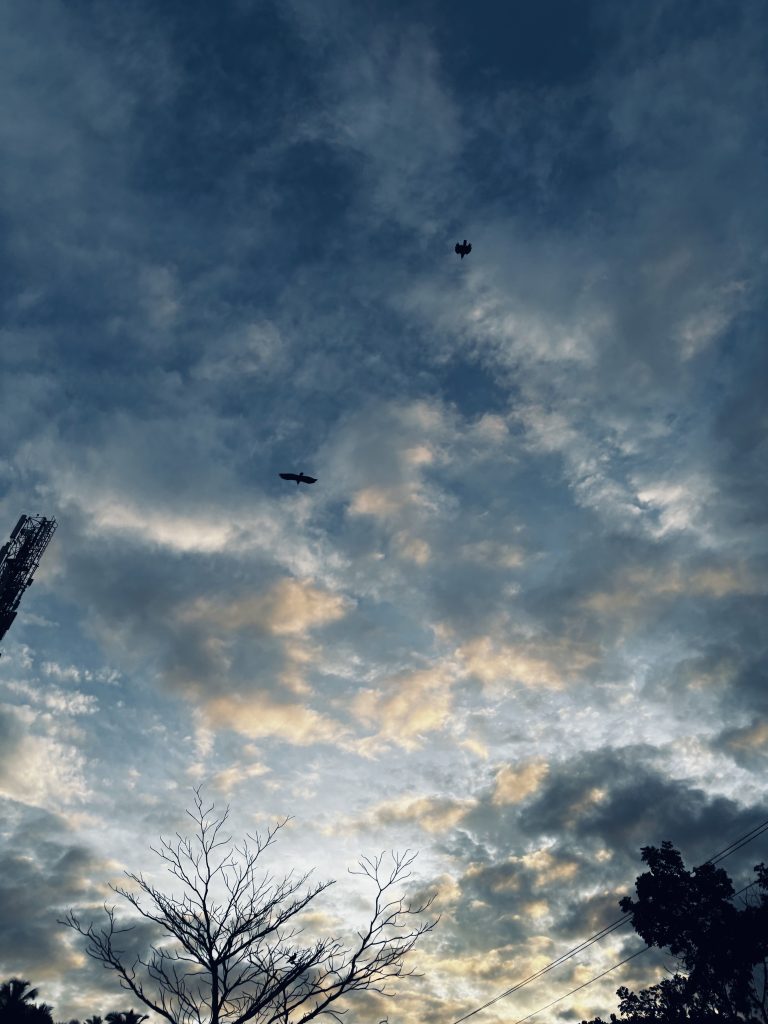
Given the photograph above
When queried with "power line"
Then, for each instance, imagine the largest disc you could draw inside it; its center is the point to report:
(738, 843)
(733, 847)
(551, 966)
(604, 973)
(583, 985)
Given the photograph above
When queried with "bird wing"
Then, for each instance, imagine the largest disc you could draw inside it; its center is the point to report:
(288, 476)
(457, 248)
(468, 247)
(308, 479)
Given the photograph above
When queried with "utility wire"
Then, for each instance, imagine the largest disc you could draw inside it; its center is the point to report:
(737, 844)
(584, 985)
(599, 976)
(551, 966)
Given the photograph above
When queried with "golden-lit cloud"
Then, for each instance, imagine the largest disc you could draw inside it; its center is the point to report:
(536, 664)
(475, 746)
(490, 428)
(379, 502)
(431, 813)
(753, 738)
(406, 707)
(640, 586)
(226, 780)
(581, 807)
(548, 869)
(388, 503)
(258, 716)
(289, 608)
(515, 783)
(535, 908)
(419, 455)
(412, 549)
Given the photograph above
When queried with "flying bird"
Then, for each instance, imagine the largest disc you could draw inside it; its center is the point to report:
(462, 248)
(300, 478)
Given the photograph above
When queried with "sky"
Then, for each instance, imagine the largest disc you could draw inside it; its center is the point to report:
(518, 622)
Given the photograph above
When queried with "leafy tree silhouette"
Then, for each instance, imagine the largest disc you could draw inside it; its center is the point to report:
(126, 1017)
(722, 950)
(17, 1004)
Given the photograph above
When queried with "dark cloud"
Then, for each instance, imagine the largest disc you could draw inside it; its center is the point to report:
(44, 870)
(618, 799)
(570, 850)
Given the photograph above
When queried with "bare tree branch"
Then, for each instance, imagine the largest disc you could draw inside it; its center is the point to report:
(228, 949)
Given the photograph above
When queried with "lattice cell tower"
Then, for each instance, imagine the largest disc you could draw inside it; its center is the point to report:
(19, 559)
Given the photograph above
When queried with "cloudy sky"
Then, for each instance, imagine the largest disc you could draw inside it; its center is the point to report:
(518, 623)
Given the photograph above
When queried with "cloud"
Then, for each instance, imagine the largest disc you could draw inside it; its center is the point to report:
(431, 813)
(290, 608)
(637, 585)
(514, 784)
(618, 799)
(554, 866)
(259, 715)
(406, 707)
(44, 870)
(385, 101)
(747, 745)
(228, 780)
(39, 764)
(536, 664)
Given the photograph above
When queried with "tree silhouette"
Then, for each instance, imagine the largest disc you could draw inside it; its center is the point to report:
(721, 949)
(230, 950)
(16, 993)
(126, 1017)
(17, 1004)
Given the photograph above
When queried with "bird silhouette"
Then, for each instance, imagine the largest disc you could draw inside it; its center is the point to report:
(462, 248)
(300, 478)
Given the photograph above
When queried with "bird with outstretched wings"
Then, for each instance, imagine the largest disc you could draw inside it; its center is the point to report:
(463, 248)
(300, 478)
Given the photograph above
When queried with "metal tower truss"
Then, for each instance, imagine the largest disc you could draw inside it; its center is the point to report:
(19, 559)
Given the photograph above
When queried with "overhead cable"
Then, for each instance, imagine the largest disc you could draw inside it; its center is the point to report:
(737, 844)
(597, 977)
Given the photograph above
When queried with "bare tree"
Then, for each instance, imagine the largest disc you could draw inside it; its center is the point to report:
(230, 949)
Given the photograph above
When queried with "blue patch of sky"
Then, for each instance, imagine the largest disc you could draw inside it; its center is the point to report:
(670, 26)
(472, 388)
(241, 72)
(13, 277)
(548, 43)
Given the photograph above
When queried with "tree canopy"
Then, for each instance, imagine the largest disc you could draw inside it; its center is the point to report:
(18, 1006)
(720, 945)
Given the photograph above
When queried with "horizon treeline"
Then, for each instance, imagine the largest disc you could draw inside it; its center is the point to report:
(18, 1005)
